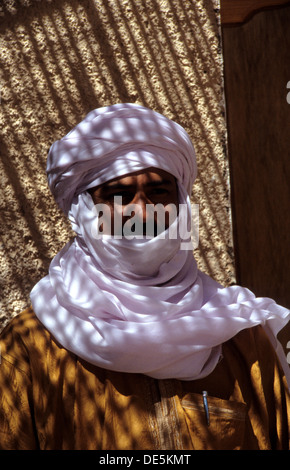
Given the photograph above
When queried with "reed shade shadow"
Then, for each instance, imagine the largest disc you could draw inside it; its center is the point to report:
(60, 60)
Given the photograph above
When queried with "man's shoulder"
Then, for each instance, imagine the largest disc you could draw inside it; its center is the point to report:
(21, 323)
(22, 333)
(252, 346)
(251, 340)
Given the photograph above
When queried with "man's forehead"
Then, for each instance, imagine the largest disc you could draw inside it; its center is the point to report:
(147, 176)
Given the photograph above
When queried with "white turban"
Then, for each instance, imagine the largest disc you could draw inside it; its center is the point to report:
(137, 305)
(116, 140)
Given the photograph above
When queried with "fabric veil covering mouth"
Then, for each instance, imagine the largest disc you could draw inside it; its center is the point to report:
(137, 306)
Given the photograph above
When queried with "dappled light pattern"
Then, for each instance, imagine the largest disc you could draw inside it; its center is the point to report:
(60, 60)
(50, 399)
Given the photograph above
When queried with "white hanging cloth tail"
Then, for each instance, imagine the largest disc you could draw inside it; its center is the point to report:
(141, 305)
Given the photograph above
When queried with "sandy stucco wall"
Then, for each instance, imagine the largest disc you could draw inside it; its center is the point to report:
(59, 60)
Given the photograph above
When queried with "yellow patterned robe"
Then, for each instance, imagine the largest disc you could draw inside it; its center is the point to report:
(51, 399)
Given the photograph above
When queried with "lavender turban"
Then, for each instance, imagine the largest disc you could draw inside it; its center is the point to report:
(114, 141)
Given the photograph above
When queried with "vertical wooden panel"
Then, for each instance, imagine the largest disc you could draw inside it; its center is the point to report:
(257, 71)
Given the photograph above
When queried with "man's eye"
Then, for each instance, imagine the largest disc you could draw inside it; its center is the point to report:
(160, 191)
(126, 197)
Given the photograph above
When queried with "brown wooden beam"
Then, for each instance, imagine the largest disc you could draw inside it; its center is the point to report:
(239, 11)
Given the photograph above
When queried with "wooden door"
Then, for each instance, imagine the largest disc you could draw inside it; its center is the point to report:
(257, 86)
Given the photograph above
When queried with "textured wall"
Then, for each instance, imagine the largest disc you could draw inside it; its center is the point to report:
(59, 60)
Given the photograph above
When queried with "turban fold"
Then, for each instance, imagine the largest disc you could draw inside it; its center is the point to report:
(114, 141)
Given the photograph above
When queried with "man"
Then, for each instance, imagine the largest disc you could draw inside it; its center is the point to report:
(127, 344)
